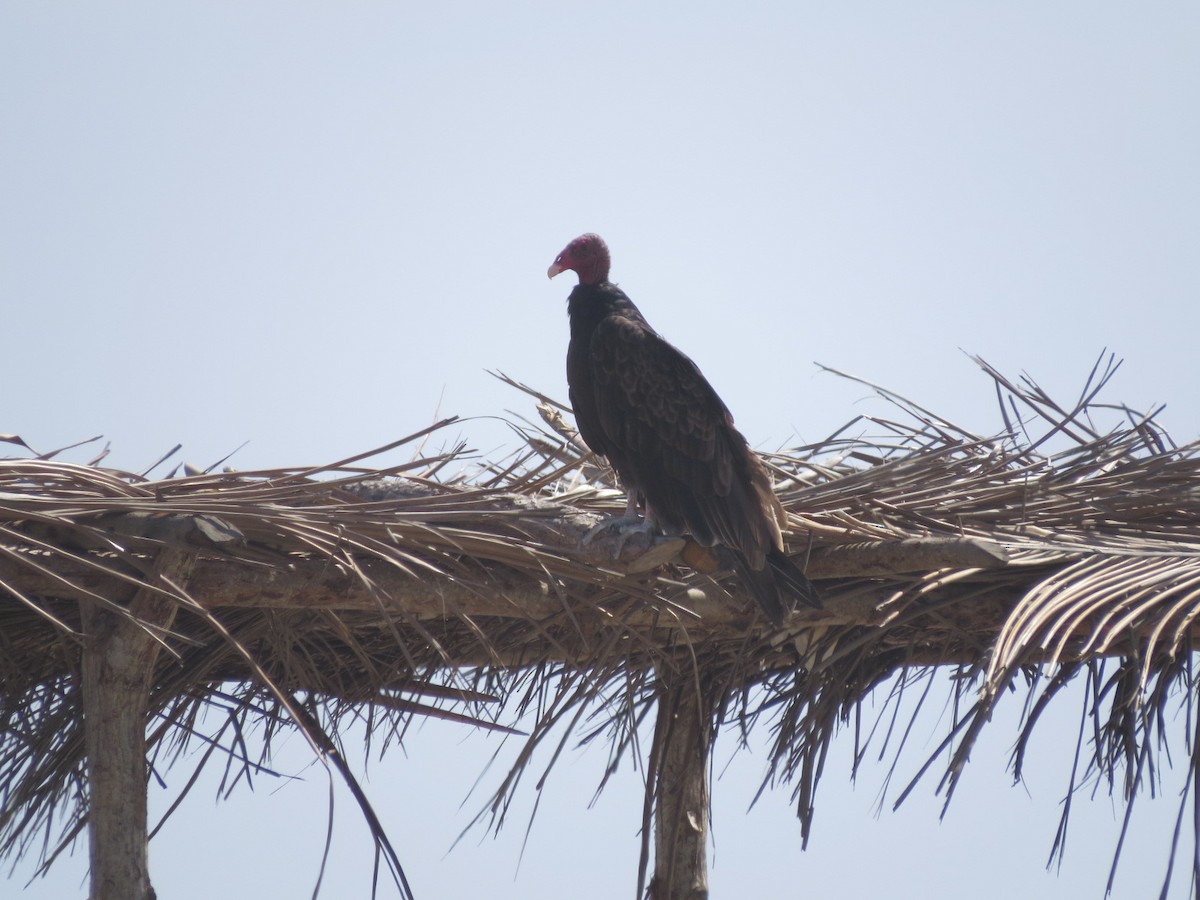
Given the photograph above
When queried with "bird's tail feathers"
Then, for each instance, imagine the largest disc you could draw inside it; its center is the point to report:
(762, 585)
(792, 580)
(777, 586)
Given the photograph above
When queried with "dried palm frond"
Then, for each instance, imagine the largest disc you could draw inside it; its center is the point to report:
(1068, 546)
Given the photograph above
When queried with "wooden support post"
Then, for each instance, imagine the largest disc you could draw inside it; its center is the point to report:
(683, 743)
(117, 669)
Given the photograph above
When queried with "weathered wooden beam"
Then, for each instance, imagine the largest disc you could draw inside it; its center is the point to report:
(682, 814)
(880, 558)
(117, 663)
(319, 583)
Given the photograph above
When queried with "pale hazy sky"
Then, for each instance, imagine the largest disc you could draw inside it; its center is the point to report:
(313, 227)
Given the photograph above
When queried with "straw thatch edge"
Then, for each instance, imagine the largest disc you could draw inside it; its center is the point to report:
(1060, 549)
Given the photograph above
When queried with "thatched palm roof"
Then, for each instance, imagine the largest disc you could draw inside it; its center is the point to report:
(1068, 545)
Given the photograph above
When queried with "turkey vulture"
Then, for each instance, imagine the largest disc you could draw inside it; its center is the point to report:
(647, 408)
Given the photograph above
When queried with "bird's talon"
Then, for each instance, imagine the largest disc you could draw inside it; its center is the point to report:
(624, 526)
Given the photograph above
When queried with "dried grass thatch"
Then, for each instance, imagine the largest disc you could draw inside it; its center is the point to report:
(1063, 548)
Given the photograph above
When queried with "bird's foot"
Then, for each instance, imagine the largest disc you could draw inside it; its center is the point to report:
(624, 527)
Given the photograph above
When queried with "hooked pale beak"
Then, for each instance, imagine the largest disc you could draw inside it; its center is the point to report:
(555, 268)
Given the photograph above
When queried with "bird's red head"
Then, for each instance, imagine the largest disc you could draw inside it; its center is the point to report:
(586, 256)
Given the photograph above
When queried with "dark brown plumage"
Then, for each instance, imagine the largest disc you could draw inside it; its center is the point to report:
(646, 407)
